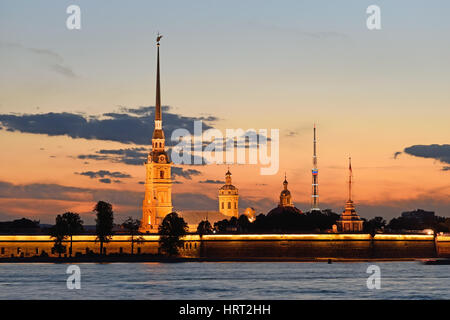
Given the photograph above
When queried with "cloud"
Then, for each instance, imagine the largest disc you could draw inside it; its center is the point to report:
(397, 154)
(129, 156)
(212, 181)
(245, 139)
(51, 59)
(65, 71)
(67, 193)
(185, 173)
(44, 201)
(432, 151)
(133, 156)
(104, 173)
(128, 126)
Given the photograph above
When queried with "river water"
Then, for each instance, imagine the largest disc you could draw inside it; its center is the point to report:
(212, 280)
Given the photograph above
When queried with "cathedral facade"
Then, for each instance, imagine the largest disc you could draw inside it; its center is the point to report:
(158, 180)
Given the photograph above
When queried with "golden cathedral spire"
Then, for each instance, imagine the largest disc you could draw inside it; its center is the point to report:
(158, 183)
(158, 132)
(158, 87)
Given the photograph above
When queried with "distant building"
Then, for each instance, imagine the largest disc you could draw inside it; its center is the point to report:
(194, 217)
(229, 198)
(250, 213)
(286, 206)
(419, 214)
(285, 195)
(350, 220)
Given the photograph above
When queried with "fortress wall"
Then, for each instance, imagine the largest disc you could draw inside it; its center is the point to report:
(28, 246)
(250, 246)
(273, 249)
(443, 246)
(404, 249)
(404, 246)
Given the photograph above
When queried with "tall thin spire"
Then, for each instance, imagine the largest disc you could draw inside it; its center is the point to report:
(350, 221)
(350, 175)
(158, 134)
(315, 149)
(158, 87)
(315, 174)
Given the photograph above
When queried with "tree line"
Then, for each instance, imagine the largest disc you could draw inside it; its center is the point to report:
(171, 231)
(173, 227)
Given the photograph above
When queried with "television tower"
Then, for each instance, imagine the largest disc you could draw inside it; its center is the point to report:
(315, 182)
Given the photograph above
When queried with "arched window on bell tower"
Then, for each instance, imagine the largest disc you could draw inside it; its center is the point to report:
(161, 174)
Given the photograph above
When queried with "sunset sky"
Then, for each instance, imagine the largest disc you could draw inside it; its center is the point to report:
(76, 105)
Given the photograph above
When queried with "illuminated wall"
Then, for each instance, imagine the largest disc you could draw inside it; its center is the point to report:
(270, 246)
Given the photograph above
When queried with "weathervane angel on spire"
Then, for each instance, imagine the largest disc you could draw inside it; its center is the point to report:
(158, 38)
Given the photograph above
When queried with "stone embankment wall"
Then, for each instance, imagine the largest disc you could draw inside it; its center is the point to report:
(276, 246)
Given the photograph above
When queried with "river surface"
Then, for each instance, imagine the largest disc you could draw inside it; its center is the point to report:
(212, 280)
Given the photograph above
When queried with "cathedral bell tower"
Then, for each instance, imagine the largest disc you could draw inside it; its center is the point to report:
(158, 182)
(229, 198)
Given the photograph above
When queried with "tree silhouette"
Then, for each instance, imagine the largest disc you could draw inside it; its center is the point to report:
(373, 225)
(59, 232)
(132, 225)
(104, 222)
(172, 228)
(74, 225)
(243, 224)
(280, 219)
(204, 227)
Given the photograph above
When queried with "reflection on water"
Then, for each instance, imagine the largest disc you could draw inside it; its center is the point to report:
(399, 280)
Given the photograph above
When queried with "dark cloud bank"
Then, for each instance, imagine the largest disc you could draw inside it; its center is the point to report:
(127, 126)
(212, 181)
(439, 152)
(104, 173)
(105, 176)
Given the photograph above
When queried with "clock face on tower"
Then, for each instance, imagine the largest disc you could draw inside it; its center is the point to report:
(162, 158)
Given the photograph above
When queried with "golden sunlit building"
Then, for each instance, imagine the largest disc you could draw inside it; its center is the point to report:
(158, 182)
(285, 195)
(250, 213)
(285, 206)
(229, 198)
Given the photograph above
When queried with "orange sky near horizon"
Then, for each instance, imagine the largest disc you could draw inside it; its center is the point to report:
(271, 66)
